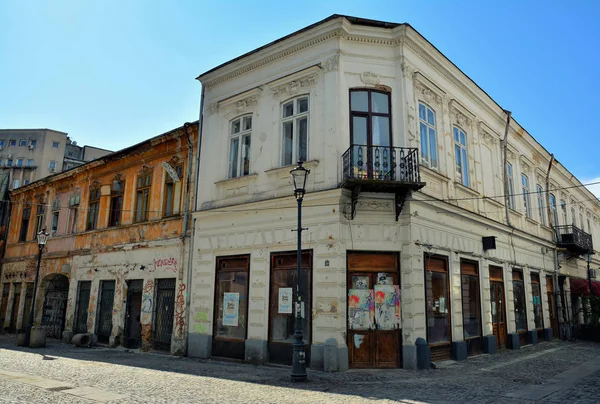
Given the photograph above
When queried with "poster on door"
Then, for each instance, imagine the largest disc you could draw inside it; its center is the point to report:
(387, 307)
(285, 301)
(361, 309)
(231, 306)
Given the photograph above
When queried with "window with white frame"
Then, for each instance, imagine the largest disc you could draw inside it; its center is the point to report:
(294, 129)
(553, 215)
(540, 204)
(16, 183)
(510, 186)
(52, 166)
(428, 136)
(581, 222)
(239, 146)
(563, 208)
(20, 162)
(460, 154)
(525, 188)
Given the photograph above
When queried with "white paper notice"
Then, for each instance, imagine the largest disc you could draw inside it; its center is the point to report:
(285, 300)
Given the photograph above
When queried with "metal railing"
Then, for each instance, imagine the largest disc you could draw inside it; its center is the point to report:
(381, 163)
(569, 235)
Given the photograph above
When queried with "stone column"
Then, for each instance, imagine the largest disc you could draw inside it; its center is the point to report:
(91, 318)
(258, 307)
(414, 324)
(201, 305)
(70, 311)
(486, 297)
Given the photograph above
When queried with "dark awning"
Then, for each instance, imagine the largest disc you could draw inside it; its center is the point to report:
(596, 288)
(579, 287)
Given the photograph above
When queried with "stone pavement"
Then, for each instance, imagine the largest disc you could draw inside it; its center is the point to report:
(555, 372)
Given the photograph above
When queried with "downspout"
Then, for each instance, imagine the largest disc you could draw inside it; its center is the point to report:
(505, 177)
(551, 219)
(188, 295)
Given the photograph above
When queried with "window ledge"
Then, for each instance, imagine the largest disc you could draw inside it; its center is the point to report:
(514, 212)
(243, 180)
(466, 189)
(434, 172)
(310, 164)
(532, 221)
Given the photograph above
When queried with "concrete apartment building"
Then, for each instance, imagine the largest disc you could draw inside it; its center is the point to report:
(412, 230)
(31, 154)
(116, 261)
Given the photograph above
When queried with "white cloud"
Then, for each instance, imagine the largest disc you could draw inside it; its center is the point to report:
(594, 188)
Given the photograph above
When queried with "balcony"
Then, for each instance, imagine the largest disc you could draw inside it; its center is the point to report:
(381, 169)
(575, 240)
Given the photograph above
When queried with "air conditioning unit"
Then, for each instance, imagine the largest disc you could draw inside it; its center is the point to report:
(31, 147)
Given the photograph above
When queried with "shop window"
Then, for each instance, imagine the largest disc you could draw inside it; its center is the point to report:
(116, 203)
(519, 298)
(536, 293)
(470, 299)
(24, 224)
(437, 300)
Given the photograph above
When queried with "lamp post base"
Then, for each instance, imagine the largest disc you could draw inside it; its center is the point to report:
(299, 363)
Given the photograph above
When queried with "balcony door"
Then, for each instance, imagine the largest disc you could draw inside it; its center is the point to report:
(371, 134)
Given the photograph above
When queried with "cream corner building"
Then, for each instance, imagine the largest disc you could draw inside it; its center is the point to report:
(406, 159)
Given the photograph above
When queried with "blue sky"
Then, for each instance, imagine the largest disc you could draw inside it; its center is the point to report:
(113, 73)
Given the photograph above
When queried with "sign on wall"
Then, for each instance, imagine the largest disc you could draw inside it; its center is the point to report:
(231, 306)
(285, 300)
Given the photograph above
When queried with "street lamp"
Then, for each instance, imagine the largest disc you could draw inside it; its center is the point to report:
(42, 238)
(299, 175)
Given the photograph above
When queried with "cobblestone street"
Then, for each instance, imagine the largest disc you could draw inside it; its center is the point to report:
(556, 372)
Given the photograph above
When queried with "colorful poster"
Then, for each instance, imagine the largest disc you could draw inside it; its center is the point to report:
(231, 307)
(361, 310)
(387, 307)
(285, 300)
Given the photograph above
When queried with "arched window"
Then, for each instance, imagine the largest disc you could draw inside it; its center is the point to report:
(239, 146)
(428, 136)
(461, 156)
(294, 122)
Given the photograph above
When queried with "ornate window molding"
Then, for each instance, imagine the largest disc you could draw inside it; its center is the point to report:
(331, 64)
(427, 91)
(460, 115)
(295, 83)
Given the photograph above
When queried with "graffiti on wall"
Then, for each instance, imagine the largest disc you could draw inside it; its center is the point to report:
(166, 263)
(147, 297)
(179, 310)
(200, 321)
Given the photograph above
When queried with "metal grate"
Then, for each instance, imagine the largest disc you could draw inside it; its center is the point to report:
(383, 163)
(163, 313)
(83, 302)
(104, 323)
(55, 306)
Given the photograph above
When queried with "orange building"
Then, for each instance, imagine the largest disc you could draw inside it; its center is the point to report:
(116, 262)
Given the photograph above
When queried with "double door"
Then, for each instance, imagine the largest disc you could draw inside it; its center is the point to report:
(373, 311)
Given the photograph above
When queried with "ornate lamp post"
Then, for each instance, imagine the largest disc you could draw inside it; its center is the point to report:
(42, 238)
(299, 175)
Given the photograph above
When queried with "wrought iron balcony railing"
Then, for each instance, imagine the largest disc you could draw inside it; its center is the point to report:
(382, 163)
(574, 239)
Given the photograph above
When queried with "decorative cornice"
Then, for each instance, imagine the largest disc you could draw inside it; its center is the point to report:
(487, 138)
(370, 78)
(247, 103)
(293, 87)
(332, 63)
(408, 70)
(426, 94)
(460, 115)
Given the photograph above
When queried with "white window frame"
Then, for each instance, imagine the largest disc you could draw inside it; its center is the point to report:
(56, 145)
(50, 165)
(242, 133)
(294, 119)
(553, 210)
(425, 139)
(563, 208)
(461, 153)
(510, 182)
(526, 200)
(16, 183)
(540, 203)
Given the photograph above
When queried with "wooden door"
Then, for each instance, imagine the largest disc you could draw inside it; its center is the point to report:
(230, 323)
(498, 306)
(375, 344)
(552, 305)
(284, 275)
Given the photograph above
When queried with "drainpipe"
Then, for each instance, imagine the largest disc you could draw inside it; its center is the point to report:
(557, 297)
(188, 295)
(505, 177)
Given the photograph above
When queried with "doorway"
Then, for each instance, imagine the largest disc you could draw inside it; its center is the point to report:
(552, 305)
(104, 322)
(374, 310)
(133, 312)
(27, 306)
(83, 302)
(230, 326)
(4, 305)
(55, 304)
(15, 308)
(283, 294)
(498, 306)
(164, 313)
